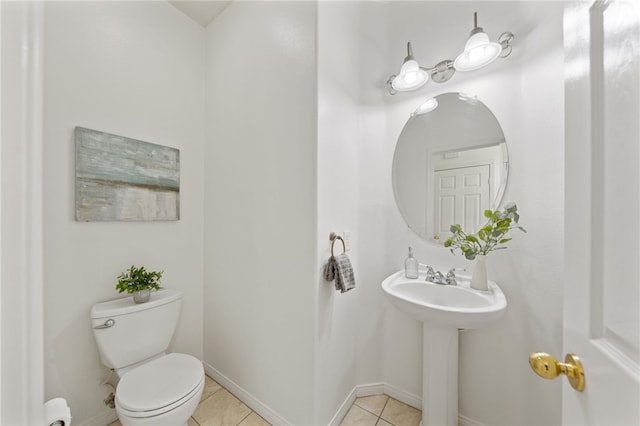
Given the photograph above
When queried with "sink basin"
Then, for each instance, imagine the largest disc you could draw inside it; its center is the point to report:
(457, 306)
(443, 310)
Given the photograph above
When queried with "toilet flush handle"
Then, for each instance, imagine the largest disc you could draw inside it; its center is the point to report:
(108, 323)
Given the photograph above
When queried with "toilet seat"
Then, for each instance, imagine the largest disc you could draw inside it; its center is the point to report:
(159, 386)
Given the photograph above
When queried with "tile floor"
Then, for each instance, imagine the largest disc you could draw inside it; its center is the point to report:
(381, 410)
(218, 407)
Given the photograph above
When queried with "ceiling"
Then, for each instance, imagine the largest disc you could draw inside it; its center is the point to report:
(202, 11)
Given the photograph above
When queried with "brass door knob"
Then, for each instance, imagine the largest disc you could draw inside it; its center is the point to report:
(548, 367)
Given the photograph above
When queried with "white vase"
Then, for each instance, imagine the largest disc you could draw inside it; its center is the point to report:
(479, 277)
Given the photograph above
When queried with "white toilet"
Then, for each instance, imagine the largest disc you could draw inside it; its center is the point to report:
(154, 388)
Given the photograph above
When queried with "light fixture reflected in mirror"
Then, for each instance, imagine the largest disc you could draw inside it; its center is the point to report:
(470, 99)
(479, 51)
(427, 106)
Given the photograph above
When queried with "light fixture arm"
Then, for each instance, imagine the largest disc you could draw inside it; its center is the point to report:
(390, 88)
(476, 29)
(475, 22)
(505, 40)
(409, 52)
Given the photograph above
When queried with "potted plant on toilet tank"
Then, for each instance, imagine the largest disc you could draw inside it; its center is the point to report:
(139, 282)
(490, 237)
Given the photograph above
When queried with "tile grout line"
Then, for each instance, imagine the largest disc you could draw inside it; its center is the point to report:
(367, 410)
(218, 390)
(379, 416)
(382, 411)
(245, 417)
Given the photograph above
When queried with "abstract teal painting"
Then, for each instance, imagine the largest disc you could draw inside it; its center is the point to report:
(123, 179)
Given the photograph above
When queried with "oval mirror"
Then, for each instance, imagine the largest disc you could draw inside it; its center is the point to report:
(450, 165)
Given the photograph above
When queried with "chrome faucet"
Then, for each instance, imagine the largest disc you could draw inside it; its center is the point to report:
(437, 277)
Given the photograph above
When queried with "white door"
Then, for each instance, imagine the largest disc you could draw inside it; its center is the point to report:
(461, 196)
(602, 184)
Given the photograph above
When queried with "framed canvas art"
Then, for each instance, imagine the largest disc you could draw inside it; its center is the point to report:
(123, 179)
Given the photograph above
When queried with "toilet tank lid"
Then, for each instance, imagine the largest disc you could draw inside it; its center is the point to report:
(126, 305)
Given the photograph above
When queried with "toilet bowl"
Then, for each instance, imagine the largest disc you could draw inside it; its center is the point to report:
(154, 388)
(162, 392)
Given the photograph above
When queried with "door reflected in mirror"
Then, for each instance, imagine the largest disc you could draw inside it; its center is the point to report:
(450, 165)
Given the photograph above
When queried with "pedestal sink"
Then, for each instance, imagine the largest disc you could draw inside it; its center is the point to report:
(443, 310)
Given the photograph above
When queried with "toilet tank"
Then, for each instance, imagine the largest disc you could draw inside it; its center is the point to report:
(127, 332)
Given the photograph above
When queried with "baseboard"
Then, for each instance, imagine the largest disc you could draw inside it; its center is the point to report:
(374, 389)
(403, 396)
(358, 391)
(344, 407)
(369, 389)
(251, 401)
(466, 421)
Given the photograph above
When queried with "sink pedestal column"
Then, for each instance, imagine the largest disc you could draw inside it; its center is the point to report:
(439, 375)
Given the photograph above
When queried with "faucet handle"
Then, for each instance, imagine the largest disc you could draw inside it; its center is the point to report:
(451, 277)
(430, 274)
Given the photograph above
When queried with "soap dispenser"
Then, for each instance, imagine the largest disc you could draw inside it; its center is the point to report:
(411, 266)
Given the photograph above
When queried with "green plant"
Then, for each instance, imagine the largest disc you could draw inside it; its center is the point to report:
(135, 279)
(490, 237)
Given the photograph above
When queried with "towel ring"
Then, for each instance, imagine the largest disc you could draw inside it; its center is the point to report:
(333, 237)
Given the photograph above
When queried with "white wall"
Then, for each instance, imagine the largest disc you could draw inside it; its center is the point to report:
(338, 138)
(134, 69)
(346, 336)
(260, 203)
(525, 92)
(341, 336)
(373, 177)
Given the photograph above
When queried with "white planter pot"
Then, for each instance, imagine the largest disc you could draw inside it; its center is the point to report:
(141, 296)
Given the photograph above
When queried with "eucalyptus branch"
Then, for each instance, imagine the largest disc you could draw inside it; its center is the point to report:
(490, 237)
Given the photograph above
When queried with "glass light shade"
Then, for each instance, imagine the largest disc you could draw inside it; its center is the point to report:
(479, 51)
(411, 77)
(465, 97)
(427, 106)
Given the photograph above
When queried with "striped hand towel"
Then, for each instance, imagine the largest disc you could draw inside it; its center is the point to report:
(339, 268)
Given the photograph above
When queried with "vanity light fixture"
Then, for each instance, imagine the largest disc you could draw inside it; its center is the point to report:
(412, 76)
(479, 51)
